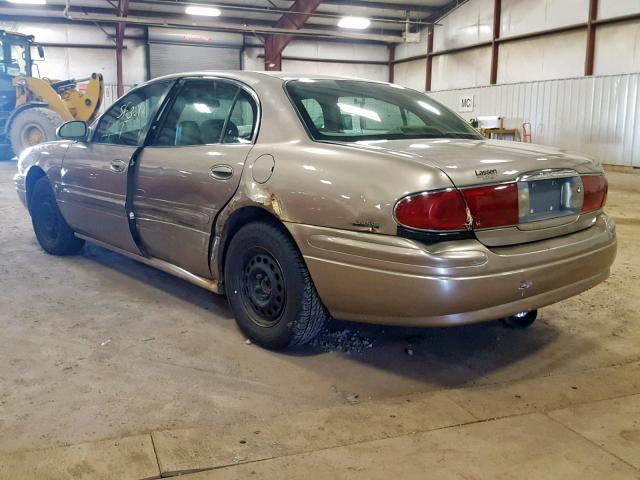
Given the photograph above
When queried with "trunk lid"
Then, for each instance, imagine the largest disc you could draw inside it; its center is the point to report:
(548, 181)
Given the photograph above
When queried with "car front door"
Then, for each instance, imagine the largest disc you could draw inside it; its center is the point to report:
(191, 167)
(93, 191)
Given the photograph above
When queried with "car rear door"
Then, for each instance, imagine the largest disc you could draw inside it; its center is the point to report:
(191, 167)
(95, 173)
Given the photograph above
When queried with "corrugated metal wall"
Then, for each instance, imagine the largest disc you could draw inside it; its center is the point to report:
(599, 116)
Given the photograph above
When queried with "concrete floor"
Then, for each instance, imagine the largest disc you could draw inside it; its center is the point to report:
(110, 369)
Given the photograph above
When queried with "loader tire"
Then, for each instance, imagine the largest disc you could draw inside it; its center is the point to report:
(33, 126)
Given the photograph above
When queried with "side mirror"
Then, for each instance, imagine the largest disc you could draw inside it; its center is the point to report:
(73, 130)
(41, 52)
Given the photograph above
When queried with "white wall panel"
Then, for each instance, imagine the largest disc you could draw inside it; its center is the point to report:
(460, 70)
(336, 50)
(411, 74)
(624, 40)
(542, 58)
(406, 50)
(525, 16)
(63, 63)
(63, 33)
(251, 59)
(369, 72)
(471, 23)
(617, 8)
(598, 116)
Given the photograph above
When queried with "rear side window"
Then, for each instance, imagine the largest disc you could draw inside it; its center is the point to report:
(198, 114)
(206, 112)
(242, 121)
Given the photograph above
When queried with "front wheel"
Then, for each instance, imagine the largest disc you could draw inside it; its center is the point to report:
(269, 288)
(51, 229)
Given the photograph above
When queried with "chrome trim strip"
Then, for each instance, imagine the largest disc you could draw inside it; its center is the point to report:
(547, 173)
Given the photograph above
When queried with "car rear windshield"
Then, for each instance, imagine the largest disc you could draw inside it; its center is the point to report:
(352, 110)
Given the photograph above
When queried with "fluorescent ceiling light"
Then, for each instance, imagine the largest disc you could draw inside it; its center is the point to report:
(358, 23)
(204, 11)
(29, 2)
(426, 106)
(362, 112)
(202, 108)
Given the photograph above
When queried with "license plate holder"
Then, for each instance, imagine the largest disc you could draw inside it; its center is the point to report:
(548, 197)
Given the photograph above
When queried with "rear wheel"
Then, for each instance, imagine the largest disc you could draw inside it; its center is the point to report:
(269, 288)
(52, 231)
(521, 320)
(33, 126)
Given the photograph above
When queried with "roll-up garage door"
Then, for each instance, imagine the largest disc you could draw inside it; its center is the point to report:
(165, 58)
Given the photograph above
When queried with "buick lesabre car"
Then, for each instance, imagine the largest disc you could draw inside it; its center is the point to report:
(303, 198)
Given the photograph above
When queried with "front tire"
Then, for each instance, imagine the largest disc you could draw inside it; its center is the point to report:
(33, 126)
(270, 290)
(52, 231)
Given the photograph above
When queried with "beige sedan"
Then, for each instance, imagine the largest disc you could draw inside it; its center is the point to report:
(303, 198)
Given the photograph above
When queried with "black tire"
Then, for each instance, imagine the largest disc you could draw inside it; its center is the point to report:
(521, 320)
(269, 288)
(52, 231)
(33, 126)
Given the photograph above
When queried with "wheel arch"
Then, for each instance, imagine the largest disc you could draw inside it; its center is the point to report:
(34, 174)
(239, 218)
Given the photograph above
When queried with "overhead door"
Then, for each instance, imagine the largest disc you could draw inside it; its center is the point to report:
(165, 58)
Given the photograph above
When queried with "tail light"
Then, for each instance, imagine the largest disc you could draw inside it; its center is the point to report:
(493, 206)
(595, 192)
(489, 207)
(443, 210)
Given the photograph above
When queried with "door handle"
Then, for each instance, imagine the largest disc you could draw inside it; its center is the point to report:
(221, 172)
(117, 166)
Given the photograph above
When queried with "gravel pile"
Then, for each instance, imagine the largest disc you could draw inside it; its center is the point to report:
(346, 341)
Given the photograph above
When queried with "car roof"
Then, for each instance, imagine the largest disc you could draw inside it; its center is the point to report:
(256, 76)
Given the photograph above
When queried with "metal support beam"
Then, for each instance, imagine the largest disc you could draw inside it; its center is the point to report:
(123, 11)
(495, 45)
(274, 45)
(427, 85)
(391, 64)
(591, 37)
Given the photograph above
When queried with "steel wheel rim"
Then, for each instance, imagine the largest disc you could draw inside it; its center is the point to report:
(263, 288)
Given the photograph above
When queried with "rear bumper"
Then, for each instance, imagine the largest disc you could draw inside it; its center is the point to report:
(390, 280)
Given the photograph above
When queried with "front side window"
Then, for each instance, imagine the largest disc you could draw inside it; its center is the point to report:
(207, 112)
(352, 110)
(18, 64)
(126, 122)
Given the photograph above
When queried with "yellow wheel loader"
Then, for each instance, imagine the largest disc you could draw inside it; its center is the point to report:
(31, 108)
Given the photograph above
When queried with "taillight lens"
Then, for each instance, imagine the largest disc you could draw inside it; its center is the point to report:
(443, 210)
(490, 207)
(493, 206)
(595, 192)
